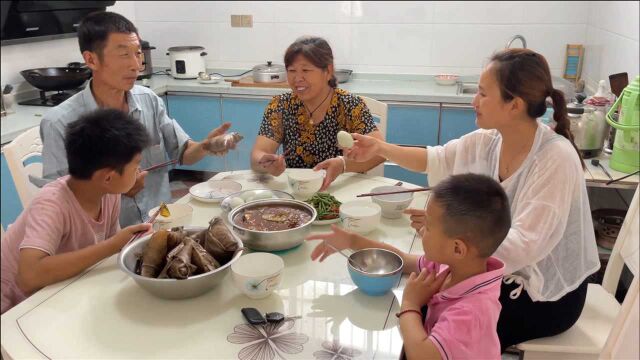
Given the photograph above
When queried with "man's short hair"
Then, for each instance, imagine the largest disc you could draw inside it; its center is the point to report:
(95, 28)
(475, 209)
(103, 138)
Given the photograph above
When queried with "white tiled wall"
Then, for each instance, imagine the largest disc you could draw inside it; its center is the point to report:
(366, 36)
(612, 40)
(372, 36)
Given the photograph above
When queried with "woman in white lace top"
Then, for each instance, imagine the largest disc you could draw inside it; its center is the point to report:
(550, 249)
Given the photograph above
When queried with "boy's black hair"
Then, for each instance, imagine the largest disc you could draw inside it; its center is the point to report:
(475, 209)
(103, 138)
(95, 28)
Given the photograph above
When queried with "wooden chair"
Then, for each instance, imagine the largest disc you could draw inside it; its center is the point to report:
(378, 110)
(604, 324)
(26, 146)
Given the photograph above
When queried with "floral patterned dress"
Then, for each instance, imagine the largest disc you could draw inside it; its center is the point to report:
(287, 122)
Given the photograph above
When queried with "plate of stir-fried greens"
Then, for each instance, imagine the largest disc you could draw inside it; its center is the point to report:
(327, 206)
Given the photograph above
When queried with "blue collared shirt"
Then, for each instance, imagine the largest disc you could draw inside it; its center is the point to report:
(167, 142)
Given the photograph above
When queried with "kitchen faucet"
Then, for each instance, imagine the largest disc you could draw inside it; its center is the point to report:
(524, 42)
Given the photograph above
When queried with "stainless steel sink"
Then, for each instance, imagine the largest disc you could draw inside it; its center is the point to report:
(467, 88)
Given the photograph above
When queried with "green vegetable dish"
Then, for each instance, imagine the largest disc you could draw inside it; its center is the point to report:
(327, 206)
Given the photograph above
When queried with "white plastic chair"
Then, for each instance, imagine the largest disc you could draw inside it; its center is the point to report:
(597, 333)
(21, 149)
(378, 110)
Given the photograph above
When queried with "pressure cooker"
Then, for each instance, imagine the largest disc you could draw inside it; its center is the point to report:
(147, 67)
(269, 73)
(186, 61)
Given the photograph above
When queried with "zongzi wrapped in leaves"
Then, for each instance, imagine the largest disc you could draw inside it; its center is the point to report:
(179, 264)
(219, 242)
(201, 258)
(154, 254)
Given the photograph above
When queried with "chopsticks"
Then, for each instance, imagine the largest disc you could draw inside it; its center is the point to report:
(137, 235)
(395, 192)
(158, 166)
(263, 162)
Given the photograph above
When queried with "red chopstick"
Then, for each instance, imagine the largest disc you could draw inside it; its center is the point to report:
(395, 192)
(158, 166)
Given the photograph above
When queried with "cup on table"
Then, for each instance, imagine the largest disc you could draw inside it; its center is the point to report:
(180, 215)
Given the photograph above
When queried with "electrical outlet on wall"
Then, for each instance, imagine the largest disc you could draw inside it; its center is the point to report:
(247, 21)
(242, 21)
(236, 20)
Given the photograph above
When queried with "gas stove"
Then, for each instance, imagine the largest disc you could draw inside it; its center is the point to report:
(53, 99)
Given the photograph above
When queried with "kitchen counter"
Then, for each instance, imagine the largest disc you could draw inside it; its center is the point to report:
(383, 87)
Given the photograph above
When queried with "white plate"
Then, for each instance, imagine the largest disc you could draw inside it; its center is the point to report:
(326, 222)
(214, 191)
(213, 80)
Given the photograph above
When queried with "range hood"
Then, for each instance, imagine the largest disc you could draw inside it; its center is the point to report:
(29, 21)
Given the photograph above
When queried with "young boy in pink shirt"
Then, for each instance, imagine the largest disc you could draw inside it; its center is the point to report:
(467, 217)
(72, 223)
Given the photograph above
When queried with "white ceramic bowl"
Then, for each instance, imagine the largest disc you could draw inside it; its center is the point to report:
(181, 215)
(360, 216)
(257, 274)
(446, 79)
(393, 204)
(213, 191)
(305, 182)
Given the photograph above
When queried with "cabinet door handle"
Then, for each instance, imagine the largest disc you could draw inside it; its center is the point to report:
(457, 106)
(32, 29)
(413, 104)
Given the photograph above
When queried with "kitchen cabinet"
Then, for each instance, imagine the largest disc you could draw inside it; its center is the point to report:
(411, 124)
(9, 201)
(245, 115)
(455, 121)
(197, 115)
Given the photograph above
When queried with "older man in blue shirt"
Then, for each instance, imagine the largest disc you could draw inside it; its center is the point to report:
(110, 47)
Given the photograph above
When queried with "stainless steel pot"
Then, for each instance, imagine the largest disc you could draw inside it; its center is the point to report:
(269, 73)
(589, 128)
(272, 240)
(343, 75)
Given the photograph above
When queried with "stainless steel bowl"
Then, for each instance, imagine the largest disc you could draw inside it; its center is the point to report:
(343, 75)
(172, 288)
(375, 262)
(272, 240)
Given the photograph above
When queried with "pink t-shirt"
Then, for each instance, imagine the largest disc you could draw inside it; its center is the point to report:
(55, 223)
(462, 320)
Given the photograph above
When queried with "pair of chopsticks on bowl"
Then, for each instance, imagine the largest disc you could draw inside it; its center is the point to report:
(161, 165)
(269, 161)
(395, 192)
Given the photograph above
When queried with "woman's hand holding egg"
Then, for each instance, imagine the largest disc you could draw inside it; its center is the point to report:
(364, 148)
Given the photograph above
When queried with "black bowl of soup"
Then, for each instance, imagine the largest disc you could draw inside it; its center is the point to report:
(272, 224)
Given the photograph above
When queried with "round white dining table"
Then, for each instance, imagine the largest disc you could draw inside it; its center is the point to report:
(103, 314)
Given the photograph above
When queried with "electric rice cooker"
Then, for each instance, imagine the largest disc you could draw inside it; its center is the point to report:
(186, 61)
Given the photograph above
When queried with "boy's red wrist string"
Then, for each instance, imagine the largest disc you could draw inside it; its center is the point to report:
(408, 310)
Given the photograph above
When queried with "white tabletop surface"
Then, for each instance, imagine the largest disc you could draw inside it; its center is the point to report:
(103, 313)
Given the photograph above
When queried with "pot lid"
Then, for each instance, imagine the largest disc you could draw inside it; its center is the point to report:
(185, 48)
(269, 68)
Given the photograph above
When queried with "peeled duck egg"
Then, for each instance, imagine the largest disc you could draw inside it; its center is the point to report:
(345, 139)
(235, 201)
(263, 195)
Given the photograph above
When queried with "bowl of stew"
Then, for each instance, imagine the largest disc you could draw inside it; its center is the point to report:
(272, 224)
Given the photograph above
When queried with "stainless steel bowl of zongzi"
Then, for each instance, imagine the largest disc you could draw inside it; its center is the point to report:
(172, 288)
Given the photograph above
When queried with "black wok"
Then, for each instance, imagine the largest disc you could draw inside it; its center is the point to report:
(56, 78)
